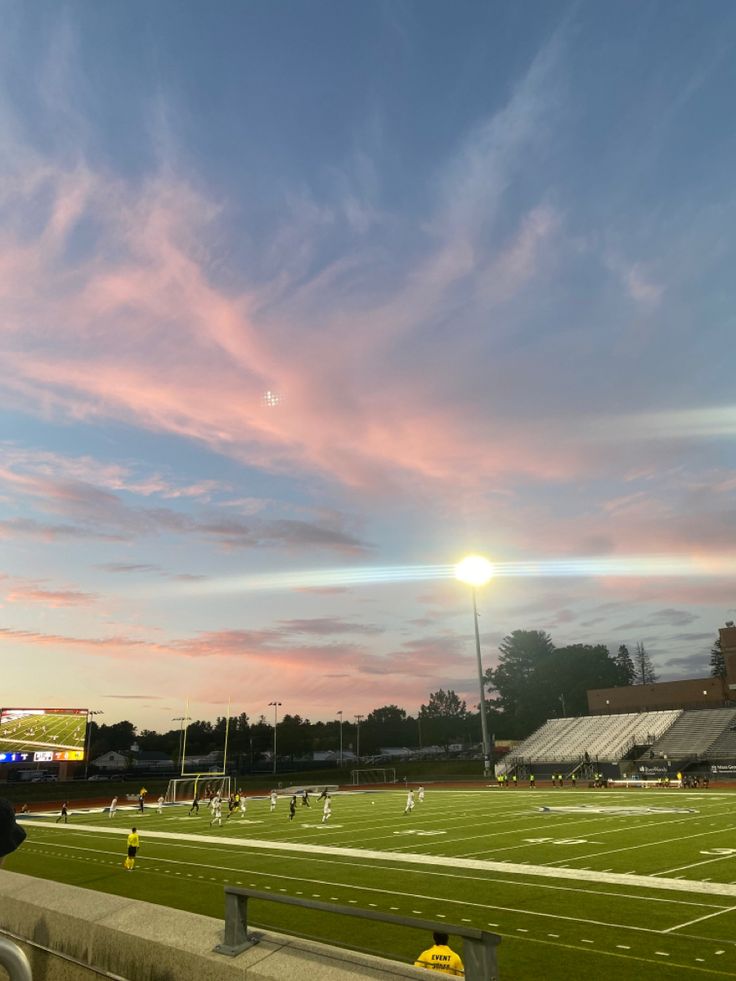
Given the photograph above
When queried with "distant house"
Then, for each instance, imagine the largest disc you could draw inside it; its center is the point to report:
(149, 760)
(111, 761)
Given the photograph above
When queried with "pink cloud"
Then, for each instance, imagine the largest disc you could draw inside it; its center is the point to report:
(54, 598)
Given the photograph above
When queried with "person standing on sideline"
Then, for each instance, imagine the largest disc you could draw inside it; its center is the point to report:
(441, 957)
(113, 806)
(63, 813)
(274, 798)
(409, 802)
(420, 794)
(134, 843)
(532, 781)
(326, 810)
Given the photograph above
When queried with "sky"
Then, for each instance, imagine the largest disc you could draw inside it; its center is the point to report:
(300, 303)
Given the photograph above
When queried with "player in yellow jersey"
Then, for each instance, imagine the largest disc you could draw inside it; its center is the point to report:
(134, 843)
(441, 958)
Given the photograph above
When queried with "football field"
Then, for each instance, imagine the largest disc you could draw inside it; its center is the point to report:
(619, 884)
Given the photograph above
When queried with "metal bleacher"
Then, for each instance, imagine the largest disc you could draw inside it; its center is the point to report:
(603, 737)
(700, 733)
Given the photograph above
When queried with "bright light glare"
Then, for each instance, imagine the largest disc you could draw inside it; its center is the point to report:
(631, 566)
(474, 570)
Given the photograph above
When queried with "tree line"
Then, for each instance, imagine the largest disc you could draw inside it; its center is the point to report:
(533, 681)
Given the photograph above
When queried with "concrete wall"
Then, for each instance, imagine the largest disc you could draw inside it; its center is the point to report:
(140, 941)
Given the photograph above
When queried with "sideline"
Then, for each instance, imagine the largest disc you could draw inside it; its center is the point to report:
(509, 868)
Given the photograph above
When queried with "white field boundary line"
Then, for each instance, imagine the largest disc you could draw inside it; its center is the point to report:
(413, 896)
(507, 868)
(708, 916)
(304, 856)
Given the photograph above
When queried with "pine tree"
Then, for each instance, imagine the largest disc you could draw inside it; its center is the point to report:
(717, 661)
(643, 667)
(625, 665)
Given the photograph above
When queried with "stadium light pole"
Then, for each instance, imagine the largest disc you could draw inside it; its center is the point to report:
(181, 719)
(340, 714)
(358, 719)
(90, 713)
(476, 571)
(276, 706)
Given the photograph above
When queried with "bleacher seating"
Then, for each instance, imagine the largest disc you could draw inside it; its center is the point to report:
(606, 738)
(708, 733)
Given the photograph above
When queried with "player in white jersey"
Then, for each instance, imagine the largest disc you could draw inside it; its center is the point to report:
(216, 807)
(420, 794)
(113, 807)
(409, 802)
(243, 804)
(273, 800)
(326, 810)
(160, 805)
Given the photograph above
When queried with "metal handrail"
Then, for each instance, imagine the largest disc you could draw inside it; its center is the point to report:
(479, 953)
(14, 960)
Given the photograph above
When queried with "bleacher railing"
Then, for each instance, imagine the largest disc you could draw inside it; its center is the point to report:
(479, 953)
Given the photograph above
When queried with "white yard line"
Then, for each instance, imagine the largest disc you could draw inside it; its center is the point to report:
(708, 916)
(646, 844)
(506, 868)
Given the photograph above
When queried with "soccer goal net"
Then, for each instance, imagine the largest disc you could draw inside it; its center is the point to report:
(204, 785)
(373, 776)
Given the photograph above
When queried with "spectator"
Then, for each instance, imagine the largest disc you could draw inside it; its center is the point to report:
(11, 834)
(441, 958)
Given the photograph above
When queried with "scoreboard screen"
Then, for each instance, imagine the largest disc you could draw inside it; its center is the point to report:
(42, 735)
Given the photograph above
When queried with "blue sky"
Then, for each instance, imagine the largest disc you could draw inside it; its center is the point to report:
(294, 288)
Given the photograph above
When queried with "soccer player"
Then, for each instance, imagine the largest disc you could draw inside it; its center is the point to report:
(292, 808)
(113, 806)
(134, 843)
(409, 802)
(274, 798)
(532, 781)
(243, 804)
(441, 957)
(326, 810)
(420, 794)
(216, 810)
(323, 795)
(195, 804)
(160, 805)
(63, 813)
(305, 799)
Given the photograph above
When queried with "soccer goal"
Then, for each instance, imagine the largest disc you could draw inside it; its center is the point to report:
(373, 776)
(204, 785)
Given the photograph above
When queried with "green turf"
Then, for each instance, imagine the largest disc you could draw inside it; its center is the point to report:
(552, 927)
